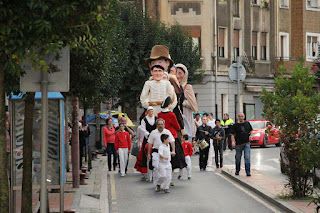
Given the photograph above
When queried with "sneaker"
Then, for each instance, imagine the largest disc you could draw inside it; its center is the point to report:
(158, 189)
(248, 174)
(221, 165)
(143, 179)
(189, 178)
(201, 170)
(204, 169)
(171, 184)
(179, 176)
(122, 175)
(217, 166)
(166, 191)
(237, 173)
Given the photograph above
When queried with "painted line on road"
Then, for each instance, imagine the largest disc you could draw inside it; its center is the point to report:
(250, 194)
(113, 187)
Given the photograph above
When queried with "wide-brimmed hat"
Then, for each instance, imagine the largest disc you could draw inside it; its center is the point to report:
(159, 51)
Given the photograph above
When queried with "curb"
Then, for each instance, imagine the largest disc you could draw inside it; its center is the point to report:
(263, 193)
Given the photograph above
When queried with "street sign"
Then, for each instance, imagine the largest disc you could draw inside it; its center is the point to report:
(233, 75)
(58, 80)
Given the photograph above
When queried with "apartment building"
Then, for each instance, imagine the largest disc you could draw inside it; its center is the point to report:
(263, 33)
(298, 33)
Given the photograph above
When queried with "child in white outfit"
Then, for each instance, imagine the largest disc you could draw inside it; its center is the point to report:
(165, 169)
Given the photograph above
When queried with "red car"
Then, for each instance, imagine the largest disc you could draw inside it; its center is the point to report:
(261, 137)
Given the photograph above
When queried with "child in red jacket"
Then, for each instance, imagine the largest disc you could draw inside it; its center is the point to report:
(188, 151)
(123, 145)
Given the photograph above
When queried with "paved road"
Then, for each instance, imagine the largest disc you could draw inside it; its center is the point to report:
(205, 192)
(264, 160)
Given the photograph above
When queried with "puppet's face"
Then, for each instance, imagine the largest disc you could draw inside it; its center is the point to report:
(162, 62)
(180, 74)
(157, 74)
(173, 71)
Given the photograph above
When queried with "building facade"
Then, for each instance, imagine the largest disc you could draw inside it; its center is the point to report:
(264, 34)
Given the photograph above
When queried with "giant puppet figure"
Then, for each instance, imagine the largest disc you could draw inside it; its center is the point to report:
(156, 90)
(189, 103)
(149, 96)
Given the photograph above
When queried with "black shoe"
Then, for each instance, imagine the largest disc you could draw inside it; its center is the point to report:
(189, 178)
(237, 173)
(204, 169)
(217, 166)
(248, 174)
(179, 176)
(221, 165)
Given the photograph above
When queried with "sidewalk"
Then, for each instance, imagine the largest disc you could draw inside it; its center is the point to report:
(269, 189)
(93, 197)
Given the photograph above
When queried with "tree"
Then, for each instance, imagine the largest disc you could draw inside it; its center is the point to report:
(29, 30)
(294, 106)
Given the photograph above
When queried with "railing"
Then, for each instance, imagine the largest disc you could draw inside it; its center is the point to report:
(287, 58)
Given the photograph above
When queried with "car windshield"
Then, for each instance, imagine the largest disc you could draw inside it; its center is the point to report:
(257, 124)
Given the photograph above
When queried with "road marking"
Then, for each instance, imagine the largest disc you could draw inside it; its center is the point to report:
(113, 187)
(250, 194)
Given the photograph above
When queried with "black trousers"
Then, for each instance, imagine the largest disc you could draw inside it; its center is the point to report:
(227, 142)
(112, 150)
(218, 148)
(203, 158)
(81, 155)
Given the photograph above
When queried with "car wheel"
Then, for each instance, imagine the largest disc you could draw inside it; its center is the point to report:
(265, 141)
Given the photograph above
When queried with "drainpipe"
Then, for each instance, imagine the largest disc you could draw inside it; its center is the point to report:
(216, 57)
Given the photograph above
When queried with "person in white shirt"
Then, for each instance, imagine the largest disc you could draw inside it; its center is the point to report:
(154, 142)
(211, 123)
(197, 120)
(164, 169)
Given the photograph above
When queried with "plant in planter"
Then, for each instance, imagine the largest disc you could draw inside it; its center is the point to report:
(265, 4)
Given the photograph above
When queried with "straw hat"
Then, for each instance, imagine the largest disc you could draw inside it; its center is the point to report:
(159, 51)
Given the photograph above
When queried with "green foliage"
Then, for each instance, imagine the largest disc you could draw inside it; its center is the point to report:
(294, 106)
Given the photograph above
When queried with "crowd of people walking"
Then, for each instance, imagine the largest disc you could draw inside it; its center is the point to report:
(168, 134)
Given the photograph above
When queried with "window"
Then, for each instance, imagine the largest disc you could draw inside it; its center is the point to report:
(254, 1)
(195, 33)
(236, 8)
(263, 46)
(222, 43)
(313, 5)
(254, 45)
(249, 111)
(284, 46)
(312, 49)
(236, 44)
(284, 3)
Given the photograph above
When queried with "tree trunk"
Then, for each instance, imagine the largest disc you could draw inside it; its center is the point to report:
(75, 143)
(4, 186)
(26, 203)
(98, 135)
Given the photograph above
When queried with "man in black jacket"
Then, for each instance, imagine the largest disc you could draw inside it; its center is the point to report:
(204, 132)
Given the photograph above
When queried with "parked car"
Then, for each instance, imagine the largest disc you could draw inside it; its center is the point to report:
(264, 133)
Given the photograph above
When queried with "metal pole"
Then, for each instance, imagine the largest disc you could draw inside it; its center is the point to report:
(238, 82)
(44, 141)
(62, 138)
(216, 58)
(86, 139)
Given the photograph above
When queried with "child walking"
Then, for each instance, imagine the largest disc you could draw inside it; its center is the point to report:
(165, 169)
(123, 146)
(188, 151)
